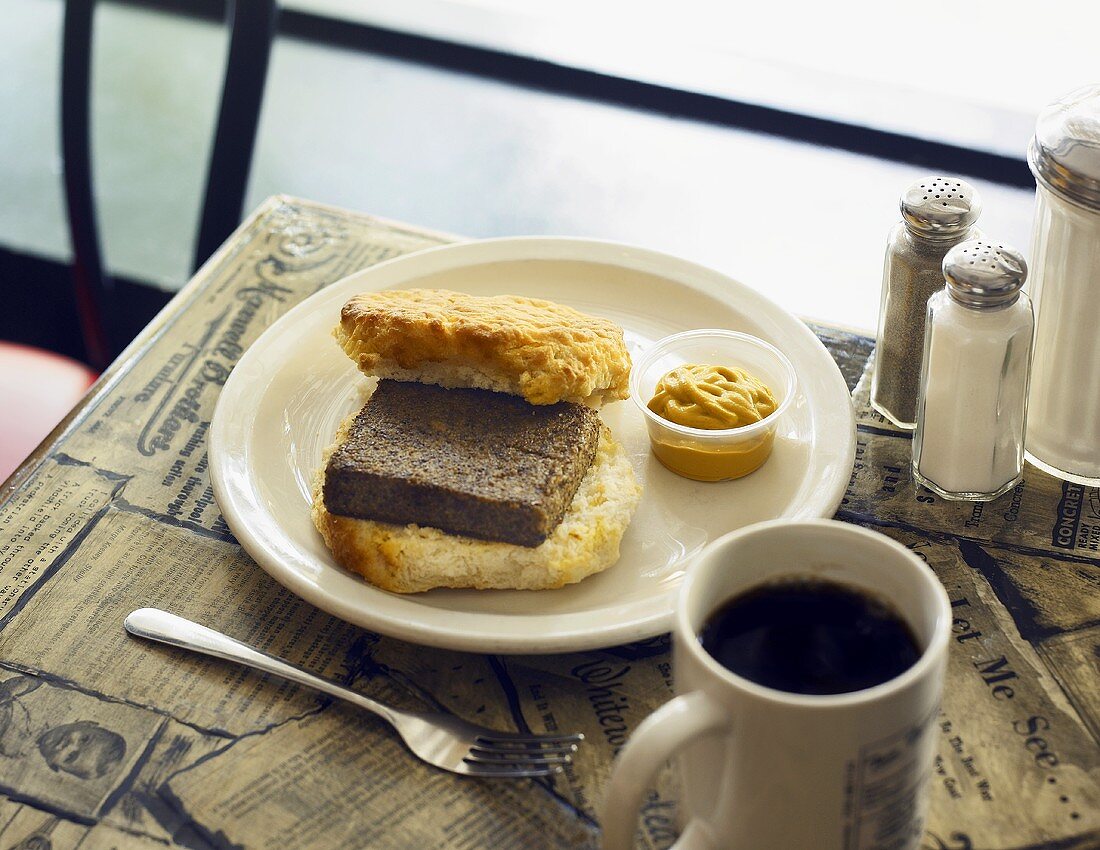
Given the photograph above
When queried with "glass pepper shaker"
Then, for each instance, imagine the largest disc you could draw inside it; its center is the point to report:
(937, 213)
(972, 406)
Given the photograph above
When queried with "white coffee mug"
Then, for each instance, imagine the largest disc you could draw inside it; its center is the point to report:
(763, 768)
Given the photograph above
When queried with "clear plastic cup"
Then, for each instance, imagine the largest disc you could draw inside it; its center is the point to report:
(706, 455)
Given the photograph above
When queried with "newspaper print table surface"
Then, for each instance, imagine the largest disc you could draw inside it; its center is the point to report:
(109, 742)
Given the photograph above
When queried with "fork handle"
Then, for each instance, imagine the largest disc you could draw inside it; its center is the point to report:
(161, 626)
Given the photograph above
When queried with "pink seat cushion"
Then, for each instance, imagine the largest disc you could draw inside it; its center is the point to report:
(37, 389)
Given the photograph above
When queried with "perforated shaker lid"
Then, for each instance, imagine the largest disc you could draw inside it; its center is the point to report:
(940, 207)
(984, 274)
(1064, 154)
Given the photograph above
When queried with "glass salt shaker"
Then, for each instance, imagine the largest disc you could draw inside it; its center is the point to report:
(972, 407)
(1064, 156)
(937, 213)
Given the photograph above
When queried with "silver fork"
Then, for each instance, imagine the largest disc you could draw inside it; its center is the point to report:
(443, 740)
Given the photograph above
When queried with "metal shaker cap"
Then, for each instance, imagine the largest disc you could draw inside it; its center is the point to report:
(1064, 154)
(940, 207)
(984, 274)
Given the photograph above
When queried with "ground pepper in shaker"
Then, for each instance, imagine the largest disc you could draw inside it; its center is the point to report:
(972, 407)
(937, 213)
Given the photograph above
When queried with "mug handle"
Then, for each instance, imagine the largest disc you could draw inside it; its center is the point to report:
(668, 729)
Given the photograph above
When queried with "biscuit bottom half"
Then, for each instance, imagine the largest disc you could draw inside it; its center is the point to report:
(414, 558)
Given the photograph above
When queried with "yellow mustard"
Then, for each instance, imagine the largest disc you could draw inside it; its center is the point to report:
(711, 398)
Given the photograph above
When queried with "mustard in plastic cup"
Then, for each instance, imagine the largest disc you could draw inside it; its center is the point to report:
(712, 455)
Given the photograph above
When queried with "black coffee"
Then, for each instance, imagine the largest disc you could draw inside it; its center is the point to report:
(809, 636)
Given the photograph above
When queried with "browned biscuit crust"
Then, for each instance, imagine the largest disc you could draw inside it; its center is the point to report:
(543, 351)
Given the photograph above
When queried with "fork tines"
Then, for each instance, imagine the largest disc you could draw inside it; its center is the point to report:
(518, 755)
(520, 738)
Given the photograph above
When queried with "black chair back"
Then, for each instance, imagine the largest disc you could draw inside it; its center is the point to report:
(252, 25)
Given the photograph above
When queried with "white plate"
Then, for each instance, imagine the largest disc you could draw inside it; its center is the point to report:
(283, 401)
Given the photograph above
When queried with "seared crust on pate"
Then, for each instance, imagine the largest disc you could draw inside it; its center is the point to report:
(543, 351)
(412, 558)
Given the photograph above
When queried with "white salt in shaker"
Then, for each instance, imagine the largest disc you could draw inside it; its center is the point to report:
(1064, 156)
(972, 407)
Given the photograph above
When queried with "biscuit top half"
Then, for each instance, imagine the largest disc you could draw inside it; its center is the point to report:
(543, 351)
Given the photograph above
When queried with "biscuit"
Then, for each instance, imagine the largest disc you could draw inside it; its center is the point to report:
(537, 349)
